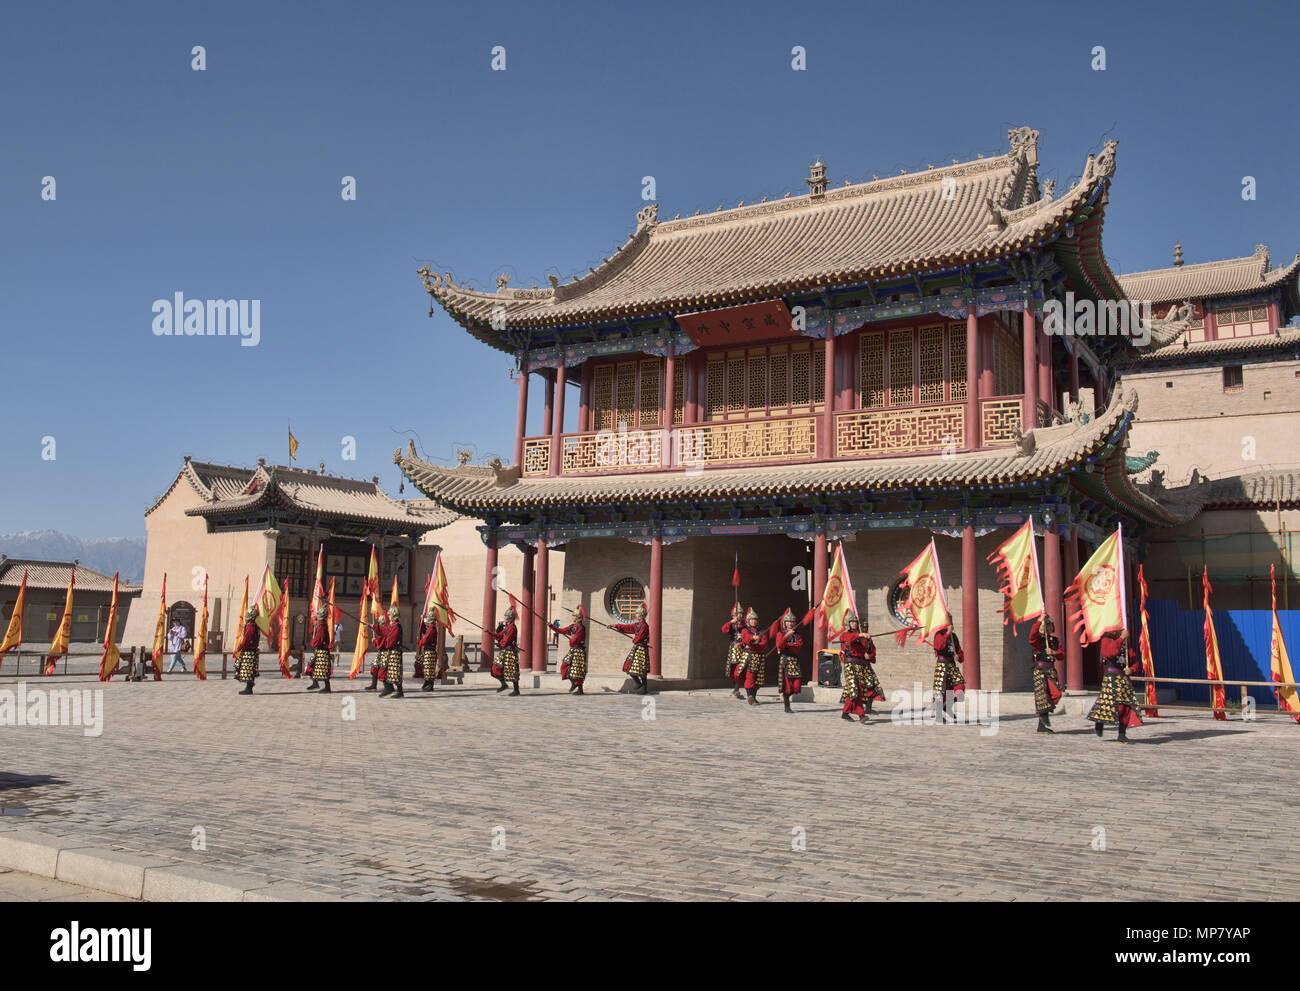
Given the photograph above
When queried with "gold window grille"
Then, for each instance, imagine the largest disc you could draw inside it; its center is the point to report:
(679, 393)
(778, 368)
(871, 369)
(625, 394)
(648, 403)
(819, 373)
(757, 397)
(900, 368)
(715, 383)
(957, 361)
(930, 364)
(735, 384)
(603, 397)
(624, 597)
(800, 378)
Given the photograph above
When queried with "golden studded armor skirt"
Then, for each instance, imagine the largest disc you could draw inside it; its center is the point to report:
(946, 674)
(576, 658)
(854, 679)
(429, 662)
(246, 665)
(320, 663)
(756, 666)
(1042, 697)
(638, 659)
(735, 654)
(393, 665)
(508, 658)
(1116, 690)
(790, 666)
(870, 683)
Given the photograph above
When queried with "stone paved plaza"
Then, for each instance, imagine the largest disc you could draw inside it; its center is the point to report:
(704, 801)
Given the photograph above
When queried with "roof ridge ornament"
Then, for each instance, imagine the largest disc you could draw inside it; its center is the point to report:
(1100, 166)
(817, 179)
(647, 217)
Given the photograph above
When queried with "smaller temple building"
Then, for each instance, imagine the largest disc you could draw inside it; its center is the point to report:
(47, 592)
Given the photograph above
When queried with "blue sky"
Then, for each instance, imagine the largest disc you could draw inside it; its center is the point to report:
(225, 183)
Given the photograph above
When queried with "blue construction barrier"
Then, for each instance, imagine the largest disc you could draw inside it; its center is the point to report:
(1245, 636)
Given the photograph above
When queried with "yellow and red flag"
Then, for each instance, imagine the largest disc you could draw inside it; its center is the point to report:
(372, 585)
(439, 595)
(1144, 648)
(285, 630)
(334, 614)
(838, 598)
(926, 602)
(14, 634)
(1280, 664)
(1095, 598)
(318, 590)
(108, 661)
(1213, 667)
(160, 632)
(368, 595)
(1016, 560)
(64, 632)
(268, 602)
(201, 638)
(238, 643)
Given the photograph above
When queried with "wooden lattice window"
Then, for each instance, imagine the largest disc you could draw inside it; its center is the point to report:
(603, 397)
(757, 398)
(819, 373)
(648, 404)
(624, 597)
(679, 395)
(800, 378)
(900, 368)
(871, 369)
(778, 366)
(930, 360)
(715, 383)
(625, 394)
(735, 384)
(957, 361)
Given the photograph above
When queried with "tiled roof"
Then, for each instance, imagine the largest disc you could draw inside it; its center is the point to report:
(1257, 488)
(1207, 280)
(917, 222)
(1287, 338)
(228, 489)
(54, 575)
(476, 490)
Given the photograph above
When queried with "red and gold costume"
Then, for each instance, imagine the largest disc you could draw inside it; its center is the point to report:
(1047, 683)
(753, 643)
(734, 628)
(389, 640)
(861, 686)
(788, 642)
(947, 672)
(505, 665)
(426, 652)
(378, 665)
(1117, 702)
(638, 658)
(246, 654)
(320, 656)
(574, 666)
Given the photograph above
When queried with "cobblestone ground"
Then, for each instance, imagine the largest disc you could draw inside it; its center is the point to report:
(707, 800)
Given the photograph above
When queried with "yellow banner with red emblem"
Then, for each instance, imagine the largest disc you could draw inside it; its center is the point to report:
(1095, 598)
(926, 603)
(1016, 560)
(838, 599)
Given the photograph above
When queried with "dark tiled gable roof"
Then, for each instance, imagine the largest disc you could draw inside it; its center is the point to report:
(1257, 488)
(476, 490)
(229, 489)
(1286, 339)
(54, 575)
(1207, 280)
(922, 221)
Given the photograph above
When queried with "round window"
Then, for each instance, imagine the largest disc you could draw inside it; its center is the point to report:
(623, 598)
(896, 602)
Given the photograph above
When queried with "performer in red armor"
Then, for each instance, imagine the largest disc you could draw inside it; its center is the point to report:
(1117, 702)
(320, 650)
(246, 653)
(505, 666)
(788, 642)
(426, 649)
(638, 658)
(734, 628)
(753, 644)
(391, 655)
(1047, 684)
(573, 668)
(376, 636)
(861, 686)
(948, 679)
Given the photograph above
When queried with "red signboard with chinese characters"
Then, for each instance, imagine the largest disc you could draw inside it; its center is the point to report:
(746, 324)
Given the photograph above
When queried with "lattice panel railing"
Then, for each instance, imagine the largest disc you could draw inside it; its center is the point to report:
(927, 428)
(537, 456)
(957, 361)
(999, 421)
(871, 369)
(748, 441)
(610, 450)
(930, 354)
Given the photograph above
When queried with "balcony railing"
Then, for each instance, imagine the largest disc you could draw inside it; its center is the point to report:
(916, 429)
(1000, 420)
(740, 442)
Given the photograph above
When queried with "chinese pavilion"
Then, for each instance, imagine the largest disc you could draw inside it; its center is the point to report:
(865, 363)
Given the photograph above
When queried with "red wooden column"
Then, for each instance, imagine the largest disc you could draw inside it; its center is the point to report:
(666, 408)
(541, 602)
(525, 619)
(548, 409)
(1274, 316)
(584, 403)
(1052, 585)
(1074, 377)
(1045, 369)
(972, 439)
(826, 442)
(690, 392)
(654, 608)
(1073, 650)
(557, 424)
(489, 596)
(819, 590)
(986, 359)
(970, 608)
(1028, 337)
(521, 417)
